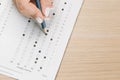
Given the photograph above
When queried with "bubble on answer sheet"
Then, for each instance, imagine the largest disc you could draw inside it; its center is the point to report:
(39, 51)
(40, 67)
(36, 58)
(51, 39)
(34, 45)
(25, 66)
(29, 21)
(35, 62)
(23, 34)
(35, 42)
(44, 57)
(62, 9)
(11, 61)
(31, 68)
(65, 3)
(18, 63)
(47, 30)
(53, 14)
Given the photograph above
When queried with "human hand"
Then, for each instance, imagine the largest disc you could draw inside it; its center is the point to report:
(28, 8)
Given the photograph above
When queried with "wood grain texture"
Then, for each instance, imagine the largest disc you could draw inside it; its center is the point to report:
(93, 52)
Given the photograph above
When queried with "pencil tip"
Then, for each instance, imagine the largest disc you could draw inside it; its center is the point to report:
(46, 34)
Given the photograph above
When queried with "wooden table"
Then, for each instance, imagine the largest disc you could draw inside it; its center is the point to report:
(93, 52)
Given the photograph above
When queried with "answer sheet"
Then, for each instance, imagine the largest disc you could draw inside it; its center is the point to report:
(25, 52)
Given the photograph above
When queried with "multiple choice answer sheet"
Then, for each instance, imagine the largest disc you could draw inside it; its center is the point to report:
(25, 52)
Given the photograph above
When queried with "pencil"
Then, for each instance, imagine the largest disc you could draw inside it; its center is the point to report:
(43, 24)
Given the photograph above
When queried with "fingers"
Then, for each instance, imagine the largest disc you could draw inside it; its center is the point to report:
(46, 7)
(28, 9)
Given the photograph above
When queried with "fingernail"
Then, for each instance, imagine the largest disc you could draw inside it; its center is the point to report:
(39, 20)
(47, 12)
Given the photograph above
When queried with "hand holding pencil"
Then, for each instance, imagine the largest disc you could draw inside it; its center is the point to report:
(31, 9)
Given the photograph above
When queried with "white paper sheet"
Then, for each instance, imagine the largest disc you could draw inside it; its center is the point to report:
(25, 52)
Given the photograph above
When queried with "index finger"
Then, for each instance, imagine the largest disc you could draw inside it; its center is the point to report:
(27, 8)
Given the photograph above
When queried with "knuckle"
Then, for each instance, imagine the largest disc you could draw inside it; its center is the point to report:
(21, 5)
(35, 14)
